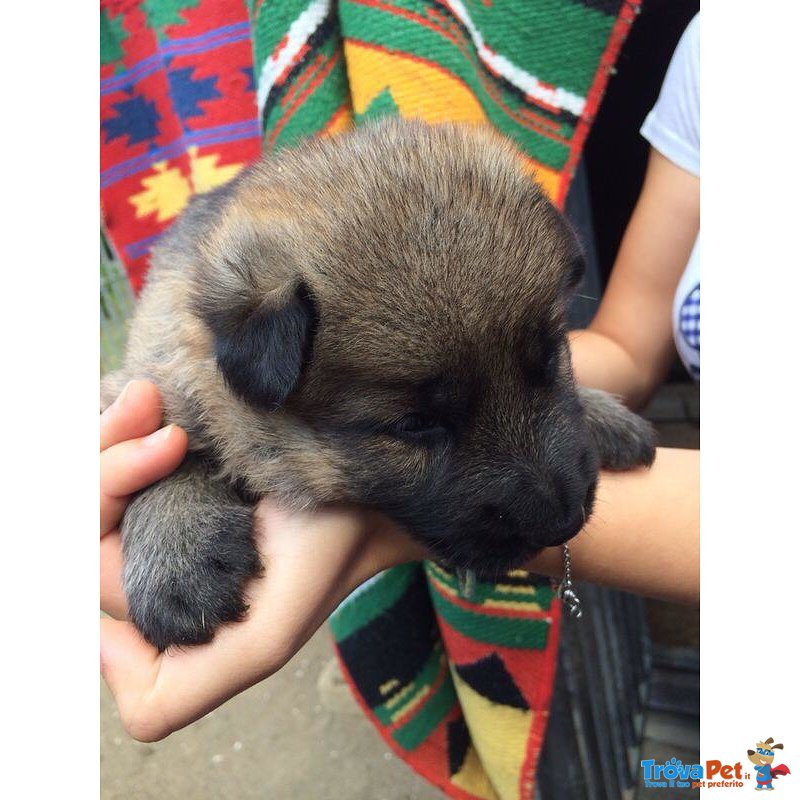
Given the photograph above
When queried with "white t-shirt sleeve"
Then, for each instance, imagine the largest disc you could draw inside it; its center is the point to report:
(673, 126)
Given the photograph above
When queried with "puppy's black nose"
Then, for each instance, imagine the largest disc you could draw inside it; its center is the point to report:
(548, 512)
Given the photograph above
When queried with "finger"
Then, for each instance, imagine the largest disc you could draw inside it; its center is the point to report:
(112, 598)
(132, 465)
(136, 412)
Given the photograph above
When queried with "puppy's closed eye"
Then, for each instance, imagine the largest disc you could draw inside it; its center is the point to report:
(544, 370)
(418, 428)
(542, 358)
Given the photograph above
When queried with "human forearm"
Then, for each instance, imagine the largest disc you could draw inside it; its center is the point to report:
(600, 362)
(643, 536)
(628, 347)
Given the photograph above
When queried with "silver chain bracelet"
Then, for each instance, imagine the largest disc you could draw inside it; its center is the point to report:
(564, 590)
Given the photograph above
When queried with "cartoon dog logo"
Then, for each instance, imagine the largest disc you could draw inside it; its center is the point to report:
(762, 757)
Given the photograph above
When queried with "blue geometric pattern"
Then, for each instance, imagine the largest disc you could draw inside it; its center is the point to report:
(251, 79)
(187, 93)
(136, 118)
(192, 45)
(689, 324)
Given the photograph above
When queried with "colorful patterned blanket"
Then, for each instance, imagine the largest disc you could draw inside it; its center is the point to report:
(460, 688)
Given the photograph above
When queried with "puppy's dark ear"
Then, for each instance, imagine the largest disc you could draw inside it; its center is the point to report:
(262, 351)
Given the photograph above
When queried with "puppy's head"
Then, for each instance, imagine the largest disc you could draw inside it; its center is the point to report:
(401, 292)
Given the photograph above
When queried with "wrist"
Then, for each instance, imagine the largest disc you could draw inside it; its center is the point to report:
(390, 544)
(548, 562)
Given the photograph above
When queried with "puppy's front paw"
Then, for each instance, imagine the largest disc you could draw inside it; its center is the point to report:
(623, 439)
(182, 584)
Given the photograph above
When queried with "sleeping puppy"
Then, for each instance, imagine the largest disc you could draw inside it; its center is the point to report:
(376, 318)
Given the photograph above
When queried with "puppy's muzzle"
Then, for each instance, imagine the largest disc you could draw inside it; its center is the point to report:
(510, 525)
(546, 516)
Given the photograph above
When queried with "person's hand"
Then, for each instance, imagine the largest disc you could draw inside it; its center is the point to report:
(134, 453)
(312, 562)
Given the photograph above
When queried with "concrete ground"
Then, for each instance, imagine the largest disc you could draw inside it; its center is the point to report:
(300, 735)
(297, 736)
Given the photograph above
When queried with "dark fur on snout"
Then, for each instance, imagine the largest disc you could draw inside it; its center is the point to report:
(377, 318)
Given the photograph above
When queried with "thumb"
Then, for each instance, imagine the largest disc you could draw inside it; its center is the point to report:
(130, 667)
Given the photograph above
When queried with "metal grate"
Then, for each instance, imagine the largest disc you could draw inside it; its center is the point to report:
(591, 748)
(116, 307)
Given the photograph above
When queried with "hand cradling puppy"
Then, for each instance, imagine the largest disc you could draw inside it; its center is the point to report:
(375, 318)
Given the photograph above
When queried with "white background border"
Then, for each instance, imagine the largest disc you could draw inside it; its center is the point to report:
(749, 409)
(49, 321)
(49, 190)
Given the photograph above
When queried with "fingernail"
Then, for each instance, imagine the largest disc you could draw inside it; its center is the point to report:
(122, 395)
(159, 437)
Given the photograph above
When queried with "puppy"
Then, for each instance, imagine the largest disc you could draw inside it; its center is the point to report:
(375, 318)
